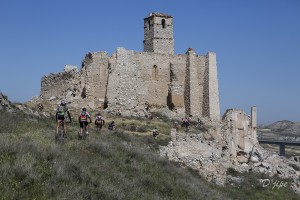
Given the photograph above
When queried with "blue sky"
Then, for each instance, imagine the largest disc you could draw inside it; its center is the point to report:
(257, 44)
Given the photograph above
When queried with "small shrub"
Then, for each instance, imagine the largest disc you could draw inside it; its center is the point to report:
(231, 171)
(142, 129)
(132, 128)
(161, 116)
(163, 141)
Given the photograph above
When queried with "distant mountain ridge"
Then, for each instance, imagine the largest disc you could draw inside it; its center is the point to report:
(285, 127)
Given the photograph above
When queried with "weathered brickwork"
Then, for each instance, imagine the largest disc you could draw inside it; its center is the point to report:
(137, 82)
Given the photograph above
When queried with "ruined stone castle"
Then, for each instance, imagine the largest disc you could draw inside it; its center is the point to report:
(186, 84)
(136, 82)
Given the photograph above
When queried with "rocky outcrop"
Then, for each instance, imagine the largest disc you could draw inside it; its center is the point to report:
(61, 85)
(200, 152)
(5, 104)
(238, 149)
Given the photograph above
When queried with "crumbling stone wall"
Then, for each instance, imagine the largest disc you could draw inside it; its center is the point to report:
(94, 78)
(131, 80)
(136, 82)
(202, 154)
(60, 85)
(240, 134)
(237, 149)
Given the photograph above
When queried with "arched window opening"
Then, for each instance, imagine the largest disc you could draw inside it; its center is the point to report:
(155, 73)
(163, 23)
(149, 25)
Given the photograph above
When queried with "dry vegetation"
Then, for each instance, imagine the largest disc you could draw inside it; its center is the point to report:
(121, 164)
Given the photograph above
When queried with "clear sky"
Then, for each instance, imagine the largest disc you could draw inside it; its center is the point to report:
(257, 44)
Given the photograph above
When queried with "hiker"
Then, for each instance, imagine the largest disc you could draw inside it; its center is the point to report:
(111, 126)
(199, 123)
(99, 121)
(62, 109)
(155, 133)
(185, 122)
(83, 120)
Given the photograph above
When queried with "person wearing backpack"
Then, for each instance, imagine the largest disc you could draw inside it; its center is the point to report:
(83, 119)
(61, 110)
(99, 121)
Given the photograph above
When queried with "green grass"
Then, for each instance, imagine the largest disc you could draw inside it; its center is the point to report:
(251, 188)
(121, 164)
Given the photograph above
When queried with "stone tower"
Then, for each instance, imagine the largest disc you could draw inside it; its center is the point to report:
(158, 33)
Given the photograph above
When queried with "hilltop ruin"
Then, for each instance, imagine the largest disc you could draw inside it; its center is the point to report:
(136, 82)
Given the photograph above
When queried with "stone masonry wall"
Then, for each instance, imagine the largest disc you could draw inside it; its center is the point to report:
(60, 84)
(195, 82)
(176, 90)
(125, 89)
(163, 40)
(94, 78)
(156, 76)
(158, 37)
(138, 82)
(211, 105)
(133, 82)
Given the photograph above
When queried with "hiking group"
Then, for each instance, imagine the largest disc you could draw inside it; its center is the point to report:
(63, 117)
(85, 118)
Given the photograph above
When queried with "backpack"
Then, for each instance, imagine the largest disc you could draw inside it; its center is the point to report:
(99, 120)
(83, 116)
(61, 110)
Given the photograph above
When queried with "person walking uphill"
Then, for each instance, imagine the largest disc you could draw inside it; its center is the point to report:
(155, 133)
(99, 121)
(62, 109)
(83, 120)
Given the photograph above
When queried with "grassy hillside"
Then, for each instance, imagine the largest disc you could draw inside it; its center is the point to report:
(123, 164)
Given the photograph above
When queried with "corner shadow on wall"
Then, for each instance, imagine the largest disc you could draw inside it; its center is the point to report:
(105, 103)
(170, 104)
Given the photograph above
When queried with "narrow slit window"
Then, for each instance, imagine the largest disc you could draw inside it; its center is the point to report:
(149, 25)
(155, 73)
